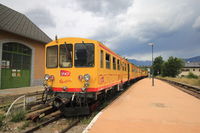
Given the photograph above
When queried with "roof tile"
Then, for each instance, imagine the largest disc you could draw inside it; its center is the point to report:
(15, 22)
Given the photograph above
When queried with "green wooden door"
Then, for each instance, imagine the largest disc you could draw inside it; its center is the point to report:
(16, 64)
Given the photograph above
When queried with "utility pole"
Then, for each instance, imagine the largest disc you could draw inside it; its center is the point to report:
(152, 44)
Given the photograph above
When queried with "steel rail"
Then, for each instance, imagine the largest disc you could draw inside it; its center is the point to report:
(55, 118)
(69, 127)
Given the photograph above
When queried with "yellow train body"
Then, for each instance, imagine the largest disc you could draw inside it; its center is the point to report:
(107, 70)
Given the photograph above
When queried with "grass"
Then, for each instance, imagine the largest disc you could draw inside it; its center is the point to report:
(2, 117)
(190, 81)
(25, 125)
(18, 116)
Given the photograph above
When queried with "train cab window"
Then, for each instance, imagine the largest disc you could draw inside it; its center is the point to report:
(101, 59)
(124, 67)
(66, 55)
(108, 61)
(52, 57)
(114, 63)
(84, 55)
(118, 64)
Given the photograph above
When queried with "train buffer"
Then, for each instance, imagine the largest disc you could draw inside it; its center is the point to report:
(146, 109)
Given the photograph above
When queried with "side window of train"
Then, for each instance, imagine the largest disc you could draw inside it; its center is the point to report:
(107, 61)
(118, 64)
(114, 63)
(101, 59)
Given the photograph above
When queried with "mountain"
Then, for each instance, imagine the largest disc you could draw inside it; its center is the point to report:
(140, 63)
(193, 59)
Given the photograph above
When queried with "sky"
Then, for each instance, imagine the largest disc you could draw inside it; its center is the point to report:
(125, 26)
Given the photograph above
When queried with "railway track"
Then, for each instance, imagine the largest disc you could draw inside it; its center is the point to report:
(43, 124)
(31, 100)
(47, 116)
(192, 90)
(55, 118)
(75, 120)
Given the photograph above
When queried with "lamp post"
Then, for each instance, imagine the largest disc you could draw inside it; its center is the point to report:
(152, 44)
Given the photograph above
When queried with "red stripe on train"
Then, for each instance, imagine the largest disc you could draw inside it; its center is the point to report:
(88, 89)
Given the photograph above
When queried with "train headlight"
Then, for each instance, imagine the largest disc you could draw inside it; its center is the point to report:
(46, 77)
(87, 77)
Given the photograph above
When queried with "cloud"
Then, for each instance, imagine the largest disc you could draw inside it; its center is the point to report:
(196, 24)
(147, 21)
(125, 26)
(41, 17)
(105, 7)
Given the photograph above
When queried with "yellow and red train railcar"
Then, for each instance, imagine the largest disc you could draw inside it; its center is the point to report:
(80, 70)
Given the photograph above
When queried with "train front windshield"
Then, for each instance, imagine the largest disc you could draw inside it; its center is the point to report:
(52, 57)
(83, 56)
(66, 55)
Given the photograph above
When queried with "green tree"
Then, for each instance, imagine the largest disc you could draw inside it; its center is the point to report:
(172, 67)
(157, 65)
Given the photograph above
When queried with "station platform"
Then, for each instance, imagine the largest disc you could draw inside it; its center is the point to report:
(146, 109)
(20, 91)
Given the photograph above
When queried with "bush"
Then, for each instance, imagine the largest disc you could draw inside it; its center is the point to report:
(192, 76)
(2, 117)
(18, 116)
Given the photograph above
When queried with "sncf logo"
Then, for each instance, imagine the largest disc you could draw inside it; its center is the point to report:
(64, 73)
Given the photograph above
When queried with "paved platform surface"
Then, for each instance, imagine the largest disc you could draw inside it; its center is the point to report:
(20, 91)
(146, 109)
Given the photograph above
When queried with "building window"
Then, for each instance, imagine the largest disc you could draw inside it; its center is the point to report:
(101, 59)
(193, 69)
(114, 63)
(108, 61)
(185, 69)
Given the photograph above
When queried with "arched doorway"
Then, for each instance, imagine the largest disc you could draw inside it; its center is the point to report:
(16, 65)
